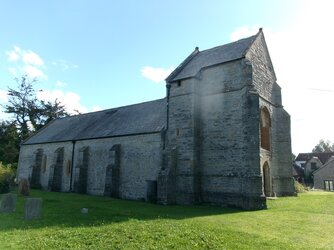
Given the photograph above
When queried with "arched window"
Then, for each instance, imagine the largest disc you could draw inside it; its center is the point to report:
(265, 128)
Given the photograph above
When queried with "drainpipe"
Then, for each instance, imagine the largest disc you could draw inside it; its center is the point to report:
(168, 86)
(72, 166)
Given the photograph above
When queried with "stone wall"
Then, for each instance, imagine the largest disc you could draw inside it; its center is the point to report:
(182, 146)
(264, 78)
(213, 125)
(326, 173)
(230, 137)
(139, 161)
(48, 164)
(279, 155)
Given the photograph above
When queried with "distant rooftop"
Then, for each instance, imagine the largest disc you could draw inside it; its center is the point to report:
(323, 157)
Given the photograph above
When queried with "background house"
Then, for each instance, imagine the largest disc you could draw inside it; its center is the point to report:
(311, 162)
(324, 177)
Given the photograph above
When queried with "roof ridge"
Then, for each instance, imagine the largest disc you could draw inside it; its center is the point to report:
(226, 44)
(109, 109)
(212, 56)
(323, 166)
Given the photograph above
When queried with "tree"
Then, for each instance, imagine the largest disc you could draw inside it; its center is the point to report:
(323, 146)
(29, 113)
(50, 111)
(293, 156)
(22, 104)
(9, 143)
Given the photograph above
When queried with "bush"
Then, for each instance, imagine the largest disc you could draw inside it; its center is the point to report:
(6, 178)
(300, 188)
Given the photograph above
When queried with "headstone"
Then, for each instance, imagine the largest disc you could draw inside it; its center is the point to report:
(8, 203)
(24, 187)
(33, 208)
(84, 210)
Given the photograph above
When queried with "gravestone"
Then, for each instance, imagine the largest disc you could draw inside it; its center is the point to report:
(84, 210)
(24, 187)
(8, 203)
(33, 208)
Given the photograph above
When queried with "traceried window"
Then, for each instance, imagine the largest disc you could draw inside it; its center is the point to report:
(265, 128)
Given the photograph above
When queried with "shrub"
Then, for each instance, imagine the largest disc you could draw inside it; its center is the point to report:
(6, 178)
(300, 188)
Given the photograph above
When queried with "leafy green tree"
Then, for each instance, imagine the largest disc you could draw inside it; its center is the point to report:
(293, 156)
(50, 111)
(22, 104)
(9, 143)
(29, 113)
(323, 146)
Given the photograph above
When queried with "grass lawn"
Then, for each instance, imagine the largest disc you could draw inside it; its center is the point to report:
(303, 222)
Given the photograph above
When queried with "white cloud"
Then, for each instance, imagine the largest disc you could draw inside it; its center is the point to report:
(3, 96)
(243, 32)
(156, 74)
(30, 57)
(303, 60)
(71, 100)
(13, 71)
(33, 72)
(26, 62)
(64, 65)
(61, 84)
(3, 100)
(14, 54)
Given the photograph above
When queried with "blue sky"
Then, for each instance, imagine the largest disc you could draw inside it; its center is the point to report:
(98, 54)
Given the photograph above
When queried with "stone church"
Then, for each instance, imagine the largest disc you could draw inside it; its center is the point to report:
(220, 136)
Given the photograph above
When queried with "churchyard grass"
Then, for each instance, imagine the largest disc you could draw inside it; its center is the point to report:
(303, 222)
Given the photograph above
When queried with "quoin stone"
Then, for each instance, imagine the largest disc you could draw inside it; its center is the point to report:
(220, 136)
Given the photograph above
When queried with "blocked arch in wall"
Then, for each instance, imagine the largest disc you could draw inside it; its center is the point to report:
(266, 180)
(265, 126)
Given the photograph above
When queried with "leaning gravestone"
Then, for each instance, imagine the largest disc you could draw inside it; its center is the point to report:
(24, 187)
(33, 208)
(8, 203)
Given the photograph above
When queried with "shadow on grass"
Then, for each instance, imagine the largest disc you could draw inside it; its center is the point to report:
(64, 210)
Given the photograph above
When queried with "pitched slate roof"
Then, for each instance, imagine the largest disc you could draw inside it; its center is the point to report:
(140, 118)
(323, 157)
(198, 60)
(328, 164)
